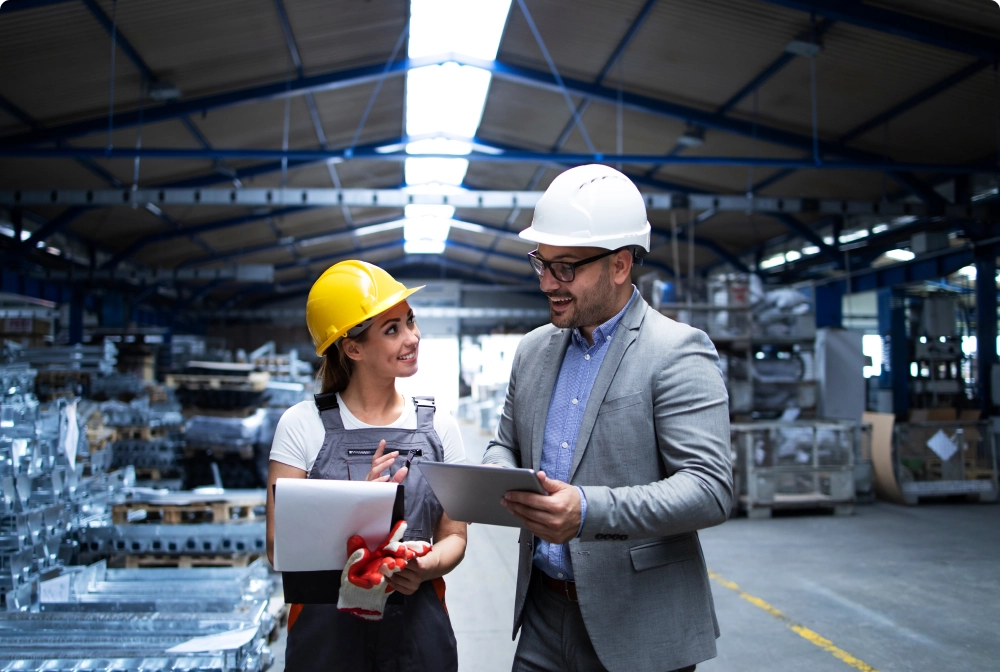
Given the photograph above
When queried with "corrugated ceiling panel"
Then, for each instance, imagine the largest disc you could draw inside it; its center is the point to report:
(46, 173)
(859, 74)
(334, 35)
(523, 116)
(956, 128)
(465, 256)
(981, 16)
(116, 227)
(206, 46)
(55, 64)
(866, 185)
(701, 53)
(170, 253)
(514, 176)
(580, 41)
(341, 112)
(258, 125)
(247, 235)
(10, 124)
(482, 240)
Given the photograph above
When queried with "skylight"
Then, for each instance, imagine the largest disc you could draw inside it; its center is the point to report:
(445, 102)
(425, 228)
(900, 255)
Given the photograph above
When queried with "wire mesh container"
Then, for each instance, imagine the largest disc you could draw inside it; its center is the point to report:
(795, 465)
(945, 458)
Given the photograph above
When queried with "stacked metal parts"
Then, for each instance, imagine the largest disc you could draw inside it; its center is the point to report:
(233, 411)
(98, 619)
(193, 595)
(159, 528)
(148, 437)
(68, 370)
(44, 494)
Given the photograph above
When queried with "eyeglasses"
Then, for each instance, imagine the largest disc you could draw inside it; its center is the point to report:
(563, 271)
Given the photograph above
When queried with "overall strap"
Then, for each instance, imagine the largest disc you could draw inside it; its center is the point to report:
(425, 413)
(329, 411)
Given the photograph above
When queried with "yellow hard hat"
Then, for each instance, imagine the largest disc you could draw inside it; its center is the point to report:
(347, 294)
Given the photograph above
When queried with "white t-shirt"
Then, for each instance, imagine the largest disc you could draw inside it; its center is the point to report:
(300, 432)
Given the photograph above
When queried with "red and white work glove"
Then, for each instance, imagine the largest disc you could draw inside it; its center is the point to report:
(363, 586)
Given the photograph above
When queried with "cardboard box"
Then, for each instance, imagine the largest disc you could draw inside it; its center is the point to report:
(25, 326)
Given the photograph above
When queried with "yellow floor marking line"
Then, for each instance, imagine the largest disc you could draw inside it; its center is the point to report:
(802, 631)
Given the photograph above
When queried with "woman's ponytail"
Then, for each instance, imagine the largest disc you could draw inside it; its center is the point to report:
(336, 369)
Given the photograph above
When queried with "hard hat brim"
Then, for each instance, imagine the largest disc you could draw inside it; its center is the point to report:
(640, 239)
(376, 310)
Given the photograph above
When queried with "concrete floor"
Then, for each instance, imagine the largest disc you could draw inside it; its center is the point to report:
(890, 589)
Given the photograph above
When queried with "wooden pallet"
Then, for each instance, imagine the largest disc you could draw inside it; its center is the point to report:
(245, 452)
(176, 514)
(189, 561)
(100, 438)
(786, 502)
(254, 382)
(141, 432)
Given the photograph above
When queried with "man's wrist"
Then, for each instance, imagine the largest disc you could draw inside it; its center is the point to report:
(583, 510)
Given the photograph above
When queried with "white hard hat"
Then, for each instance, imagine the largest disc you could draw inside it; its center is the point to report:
(590, 206)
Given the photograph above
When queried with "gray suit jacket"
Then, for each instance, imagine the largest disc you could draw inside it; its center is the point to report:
(653, 459)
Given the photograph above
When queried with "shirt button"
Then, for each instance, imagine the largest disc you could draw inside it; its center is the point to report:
(587, 357)
(560, 575)
(565, 445)
(576, 401)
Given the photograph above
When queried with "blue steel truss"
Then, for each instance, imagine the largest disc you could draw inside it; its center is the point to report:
(527, 76)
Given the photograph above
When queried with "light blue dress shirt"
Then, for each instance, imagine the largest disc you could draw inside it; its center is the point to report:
(569, 400)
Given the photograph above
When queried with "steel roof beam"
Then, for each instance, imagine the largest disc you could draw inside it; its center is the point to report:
(927, 32)
(518, 156)
(193, 230)
(359, 252)
(291, 200)
(808, 234)
(12, 6)
(278, 90)
(499, 69)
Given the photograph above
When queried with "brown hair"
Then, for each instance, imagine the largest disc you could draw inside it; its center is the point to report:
(336, 369)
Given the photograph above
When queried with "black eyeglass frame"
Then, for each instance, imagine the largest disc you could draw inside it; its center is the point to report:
(538, 265)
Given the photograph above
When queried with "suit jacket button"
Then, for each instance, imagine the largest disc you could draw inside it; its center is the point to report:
(619, 537)
(624, 537)
(599, 536)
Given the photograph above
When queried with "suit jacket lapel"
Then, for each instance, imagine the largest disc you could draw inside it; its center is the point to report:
(626, 333)
(543, 382)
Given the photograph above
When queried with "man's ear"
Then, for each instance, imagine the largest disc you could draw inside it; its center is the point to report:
(621, 267)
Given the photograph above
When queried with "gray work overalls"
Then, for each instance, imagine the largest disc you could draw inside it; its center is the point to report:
(415, 633)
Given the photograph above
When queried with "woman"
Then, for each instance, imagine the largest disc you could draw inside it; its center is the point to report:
(364, 329)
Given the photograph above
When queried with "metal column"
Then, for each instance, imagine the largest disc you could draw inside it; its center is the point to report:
(830, 305)
(986, 323)
(895, 349)
(76, 318)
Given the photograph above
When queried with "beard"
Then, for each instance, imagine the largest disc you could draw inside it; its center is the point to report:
(590, 310)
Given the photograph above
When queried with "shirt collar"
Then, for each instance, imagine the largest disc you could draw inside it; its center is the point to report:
(607, 330)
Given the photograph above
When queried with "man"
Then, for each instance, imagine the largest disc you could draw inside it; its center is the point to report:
(625, 414)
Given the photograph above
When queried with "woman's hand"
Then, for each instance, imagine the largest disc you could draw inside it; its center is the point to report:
(381, 462)
(417, 571)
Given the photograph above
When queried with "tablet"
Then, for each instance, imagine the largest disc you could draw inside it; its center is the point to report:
(472, 493)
